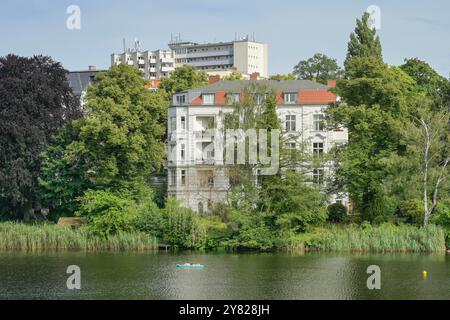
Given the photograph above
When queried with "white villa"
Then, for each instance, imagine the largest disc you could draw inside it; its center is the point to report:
(196, 176)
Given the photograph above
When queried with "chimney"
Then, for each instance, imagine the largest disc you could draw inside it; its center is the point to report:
(254, 76)
(213, 79)
(92, 68)
(331, 83)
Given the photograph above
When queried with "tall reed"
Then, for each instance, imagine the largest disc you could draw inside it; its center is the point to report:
(383, 238)
(18, 236)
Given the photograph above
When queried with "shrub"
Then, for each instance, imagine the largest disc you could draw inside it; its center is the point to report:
(441, 217)
(411, 211)
(182, 227)
(337, 212)
(149, 217)
(107, 213)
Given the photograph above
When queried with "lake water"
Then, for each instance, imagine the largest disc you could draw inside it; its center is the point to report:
(227, 276)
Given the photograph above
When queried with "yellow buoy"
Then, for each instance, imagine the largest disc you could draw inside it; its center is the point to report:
(424, 274)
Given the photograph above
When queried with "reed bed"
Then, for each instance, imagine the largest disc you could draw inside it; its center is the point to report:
(22, 237)
(383, 238)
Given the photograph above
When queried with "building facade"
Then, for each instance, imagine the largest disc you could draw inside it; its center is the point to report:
(196, 173)
(244, 56)
(154, 64)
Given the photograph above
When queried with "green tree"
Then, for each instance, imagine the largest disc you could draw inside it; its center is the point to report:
(320, 67)
(36, 101)
(183, 78)
(108, 213)
(364, 45)
(288, 76)
(294, 205)
(428, 81)
(119, 142)
(376, 100)
(233, 76)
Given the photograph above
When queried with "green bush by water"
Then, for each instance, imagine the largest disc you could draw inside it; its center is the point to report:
(17, 236)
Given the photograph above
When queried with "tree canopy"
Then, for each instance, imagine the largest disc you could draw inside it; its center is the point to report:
(119, 142)
(36, 101)
(183, 78)
(320, 68)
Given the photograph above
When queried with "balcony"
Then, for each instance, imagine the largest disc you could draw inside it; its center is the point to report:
(205, 162)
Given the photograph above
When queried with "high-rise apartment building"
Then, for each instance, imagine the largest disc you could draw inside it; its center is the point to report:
(154, 64)
(244, 56)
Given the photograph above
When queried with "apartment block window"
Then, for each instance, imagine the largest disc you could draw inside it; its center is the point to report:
(183, 152)
(318, 150)
(208, 99)
(290, 123)
(318, 122)
(290, 98)
(318, 176)
(173, 124)
(173, 177)
(183, 177)
(183, 123)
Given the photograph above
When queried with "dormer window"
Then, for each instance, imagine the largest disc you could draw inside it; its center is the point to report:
(209, 98)
(290, 98)
(181, 100)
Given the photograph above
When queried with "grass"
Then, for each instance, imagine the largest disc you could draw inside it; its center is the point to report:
(366, 238)
(18, 236)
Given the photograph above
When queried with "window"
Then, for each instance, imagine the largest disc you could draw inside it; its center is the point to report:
(183, 177)
(290, 98)
(318, 120)
(172, 152)
(235, 98)
(210, 205)
(208, 99)
(290, 123)
(200, 208)
(291, 146)
(183, 123)
(173, 177)
(318, 150)
(318, 176)
(173, 124)
(183, 152)
(211, 181)
(181, 100)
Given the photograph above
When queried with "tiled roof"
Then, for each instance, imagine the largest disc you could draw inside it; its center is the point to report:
(80, 80)
(309, 92)
(316, 97)
(282, 85)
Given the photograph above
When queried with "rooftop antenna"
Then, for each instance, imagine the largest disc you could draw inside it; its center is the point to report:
(137, 45)
(124, 46)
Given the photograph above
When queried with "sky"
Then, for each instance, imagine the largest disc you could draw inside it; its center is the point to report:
(293, 29)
